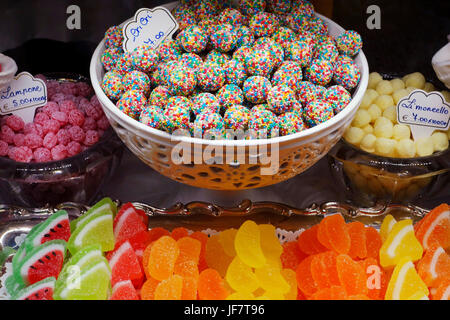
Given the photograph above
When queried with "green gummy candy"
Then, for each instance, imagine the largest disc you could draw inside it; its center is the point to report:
(102, 205)
(12, 286)
(5, 253)
(96, 229)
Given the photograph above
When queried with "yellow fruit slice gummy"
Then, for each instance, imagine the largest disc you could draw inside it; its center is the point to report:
(248, 245)
(405, 282)
(400, 243)
(291, 277)
(386, 227)
(241, 277)
(226, 239)
(271, 279)
(270, 244)
(241, 296)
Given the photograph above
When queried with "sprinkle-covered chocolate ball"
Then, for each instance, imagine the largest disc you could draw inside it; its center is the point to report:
(290, 123)
(112, 85)
(132, 102)
(317, 112)
(349, 43)
(256, 89)
(152, 116)
(280, 99)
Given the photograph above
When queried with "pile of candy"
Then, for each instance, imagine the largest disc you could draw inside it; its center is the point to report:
(68, 124)
(112, 255)
(375, 128)
(266, 68)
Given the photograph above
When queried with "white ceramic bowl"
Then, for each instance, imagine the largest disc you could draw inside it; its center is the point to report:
(295, 153)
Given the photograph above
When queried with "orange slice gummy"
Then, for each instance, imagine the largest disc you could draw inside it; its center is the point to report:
(226, 239)
(376, 278)
(357, 232)
(351, 275)
(434, 266)
(189, 250)
(308, 242)
(333, 234)
(332, 293)
(203, 238)
(305, 280)
(373, 243)
(434, 229)
(405, 282)
(442, 291)
(324, 271)
(291, 278)
(186, 268)
(401, 243)
(163, 255)
(291, 255)
(145, 257)
(179, 233)
(148, 289)
(189, 290)
(358, 297)
(156, 233)
(216, 257)
(169, 289)
(211, 286)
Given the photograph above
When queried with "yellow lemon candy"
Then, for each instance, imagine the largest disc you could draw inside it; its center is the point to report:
(241, 296)
(400, 243)
(248, 245)
(268, 295)
(241, 277)
(428, 87)
(374, 79)
(271, 280)
(397, 84)
(416, 80)
(384, 101)
(354, 135)
(383, 128)
(405, 282)
(375, 112)
(399, 95)
(386, 226)
(385, 147)
(270, 243)
(291, 277)
(384, 87)
(362, 118)
(419, 295)
(368, 129)
(368, 143)
(440, 141)
(226, 239)
(424, 147)
(406, 148)
(391, 113)
(401, 131)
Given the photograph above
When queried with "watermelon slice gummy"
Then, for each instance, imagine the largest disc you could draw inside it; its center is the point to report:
(42, 262)
(124, 290)
(98, 228)
(129, 207)
(56, 227)
(106, 204)
(125, 265)
(42, 290)
(128, 223)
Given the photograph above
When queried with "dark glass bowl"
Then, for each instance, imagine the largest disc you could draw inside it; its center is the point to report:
(78, 178)
(368, 178)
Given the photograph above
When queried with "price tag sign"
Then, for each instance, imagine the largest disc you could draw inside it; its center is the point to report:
(148, 27)
(23, 96)
(424, 113)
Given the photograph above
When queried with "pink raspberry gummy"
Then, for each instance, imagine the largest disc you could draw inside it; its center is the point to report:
(95, 112)
(67, 105)
(63, 136)
(61, 117)
(33, 128)
(33, 141)
(91, 138)
(42, 155)
(58, 97)
(89, 124)
(19, 140)
(77, 134)
(14, 122)
(7, 134)
(94, 101)
(83, 105)
(59, 152)
(76, 118)
(41, 117)
(73, 148)
(21, 154)
(84, 89)
(50, 107)
(50, 140)
(69, 88)
(51, 125)
(103, 123)
(3, 148)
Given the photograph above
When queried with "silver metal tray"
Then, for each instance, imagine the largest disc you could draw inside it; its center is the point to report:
(197, 216)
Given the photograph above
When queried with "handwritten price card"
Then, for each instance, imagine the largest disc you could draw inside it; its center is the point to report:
(23, 96)
(148, 27)
(424, 113)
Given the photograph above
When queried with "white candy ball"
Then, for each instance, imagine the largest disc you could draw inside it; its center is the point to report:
(416, 80)
(374, 78)
(399, 95)
(424, 147)
(368, 143)
(384, 101)
(383, 128)
(384, 87)
(385, 147)
(401, 131)
(397, 84)
(391, 113)
(362, 118)
(354, 135)
(440, 141)
(375, 112)
(406, 148)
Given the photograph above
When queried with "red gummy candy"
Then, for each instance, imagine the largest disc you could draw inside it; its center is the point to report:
(89, 124)
(51, 125)
(91, 138)
(7, 134)
(61, 117)
(50, 140)
(3, 148)
(76, 118)
(59, 152)
(42, 155)
(77, 134)
(19, 140)
(103, 123)
(94, 112)
(33, 141)
(14, 122)
(49, 108)
(63, 136)
(73, 148)
(67, 106)
(21, 154)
